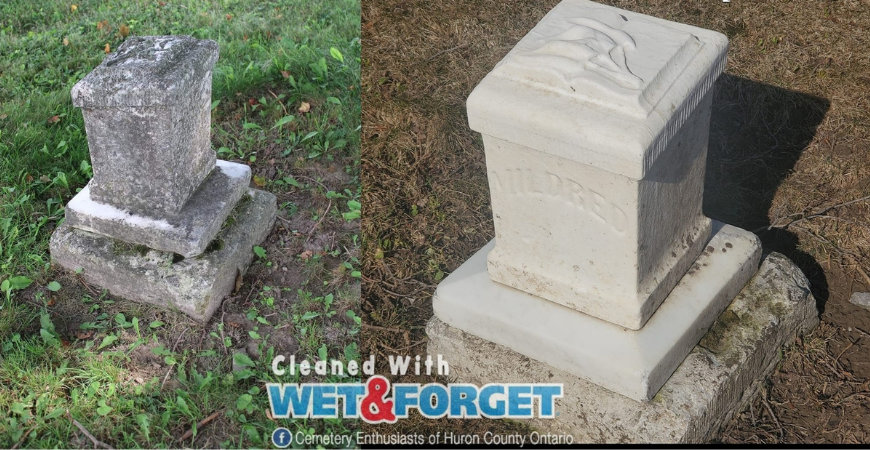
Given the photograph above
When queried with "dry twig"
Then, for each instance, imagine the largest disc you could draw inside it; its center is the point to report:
(200, 425)
(447, 51)
(799, 217)
(837, 359)
(310, 233)
(407, 347)
(90, 436)
(86, 285)
(279, 102)
(21, 441)
(405, 333)
(772, 415)
(166, 378)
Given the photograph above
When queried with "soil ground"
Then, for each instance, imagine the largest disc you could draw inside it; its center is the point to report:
(789, 158)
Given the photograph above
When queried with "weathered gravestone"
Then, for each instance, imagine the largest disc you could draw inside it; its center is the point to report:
(161, 221)
(604, 269)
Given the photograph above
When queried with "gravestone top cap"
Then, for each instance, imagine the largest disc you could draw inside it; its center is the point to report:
(147, 71)
(607, 83)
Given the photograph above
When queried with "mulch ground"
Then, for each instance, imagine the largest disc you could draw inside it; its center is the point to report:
(788, 158)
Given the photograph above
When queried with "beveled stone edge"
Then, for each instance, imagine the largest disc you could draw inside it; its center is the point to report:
(645, 378)
(174, 236)
(84, 93)
(220, 266)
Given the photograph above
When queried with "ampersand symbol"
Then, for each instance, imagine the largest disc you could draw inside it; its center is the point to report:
(374, 408)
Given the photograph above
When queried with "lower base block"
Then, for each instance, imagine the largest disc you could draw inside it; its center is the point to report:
(195, 286)
(717, 378)
(634, 363)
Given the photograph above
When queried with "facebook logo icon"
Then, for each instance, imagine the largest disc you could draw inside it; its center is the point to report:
(281, 437)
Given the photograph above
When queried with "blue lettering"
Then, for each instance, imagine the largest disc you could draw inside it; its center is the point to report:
(485, 403)
(324, 403)
(442, 400)
(549, 394)
(284, 397)
(516, 402)
(463, 396)
(405, 396)
(350, 393)
(316, 400)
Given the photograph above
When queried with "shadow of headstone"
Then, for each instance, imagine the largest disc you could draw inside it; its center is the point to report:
(757, 134)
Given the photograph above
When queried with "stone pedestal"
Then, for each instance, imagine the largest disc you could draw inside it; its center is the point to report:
(162, 221)
(604, 270)
(595, 129)
(147, 110)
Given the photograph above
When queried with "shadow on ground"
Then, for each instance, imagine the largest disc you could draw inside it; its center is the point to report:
(757, 134)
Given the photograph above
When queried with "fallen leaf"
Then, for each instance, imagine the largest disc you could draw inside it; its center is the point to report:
(102, 24)
(238, 284)
(306, 254)
(65, 41)
(84, 334)
(50, 302)
(269, 415)
(304, 107)
(53, 119)
(161, 3)
(3, 116)
(259, 181)
(124, 30)
(229, 17)
(44, 179)
(28, 178)
(285, 74)
(73, 8)
(252, 101)
(108, 49)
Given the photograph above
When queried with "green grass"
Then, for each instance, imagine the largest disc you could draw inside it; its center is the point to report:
(286, 88)
(44, 158)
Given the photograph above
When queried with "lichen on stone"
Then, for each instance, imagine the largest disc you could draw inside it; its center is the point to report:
(125, 248)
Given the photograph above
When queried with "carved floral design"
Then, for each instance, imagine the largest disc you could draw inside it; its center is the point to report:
(588, 45)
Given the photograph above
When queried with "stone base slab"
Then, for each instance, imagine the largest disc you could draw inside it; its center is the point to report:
(186, 233)
(194, 285)
(715, 380)
(634, 363)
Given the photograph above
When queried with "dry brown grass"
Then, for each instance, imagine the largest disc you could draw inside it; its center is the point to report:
(790, 142)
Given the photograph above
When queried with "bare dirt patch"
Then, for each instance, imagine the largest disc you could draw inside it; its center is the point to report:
(789, 158)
